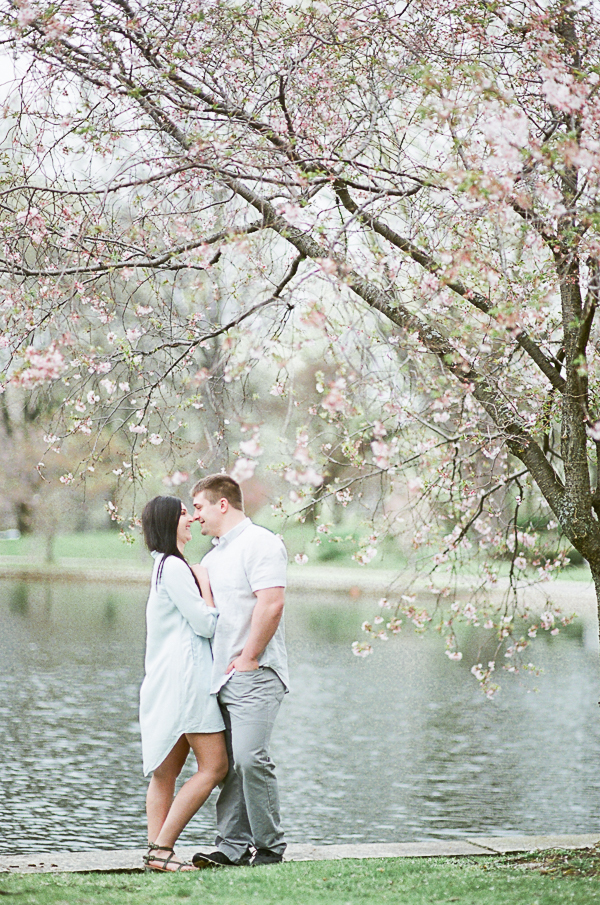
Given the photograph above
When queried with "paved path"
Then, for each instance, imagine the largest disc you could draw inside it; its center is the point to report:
(131, 859)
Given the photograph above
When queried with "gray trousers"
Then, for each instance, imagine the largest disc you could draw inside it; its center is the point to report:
(248, 804)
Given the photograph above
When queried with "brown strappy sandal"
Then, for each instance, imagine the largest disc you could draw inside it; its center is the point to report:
(164, 862)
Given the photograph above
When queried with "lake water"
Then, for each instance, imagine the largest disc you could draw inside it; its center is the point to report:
(398, 747)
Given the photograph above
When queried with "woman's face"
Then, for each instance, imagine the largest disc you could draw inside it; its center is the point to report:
(184, 533)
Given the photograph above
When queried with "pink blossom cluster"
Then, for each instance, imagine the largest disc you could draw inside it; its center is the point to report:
(40, 366)
(365, 555)
(34, 222)
(243, 469)
(305, 473)
(336, 401)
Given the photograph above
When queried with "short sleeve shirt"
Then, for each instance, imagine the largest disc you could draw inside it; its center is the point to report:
(245, 560)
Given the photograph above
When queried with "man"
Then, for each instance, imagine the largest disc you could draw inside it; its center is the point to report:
(246, 567)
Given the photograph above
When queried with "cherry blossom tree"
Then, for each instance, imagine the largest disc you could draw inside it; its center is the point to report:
(206, 200)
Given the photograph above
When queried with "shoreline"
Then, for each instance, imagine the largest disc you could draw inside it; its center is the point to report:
(109, 572)
(572, 595)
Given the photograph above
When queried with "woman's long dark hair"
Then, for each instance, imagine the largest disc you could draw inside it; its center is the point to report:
(160, 520)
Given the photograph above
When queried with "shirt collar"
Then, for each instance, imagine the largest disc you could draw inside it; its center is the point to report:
(231, 534)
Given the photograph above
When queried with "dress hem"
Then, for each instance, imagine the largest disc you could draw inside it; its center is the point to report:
(148, 770)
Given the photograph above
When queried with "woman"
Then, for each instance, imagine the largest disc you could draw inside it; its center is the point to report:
(177, 712)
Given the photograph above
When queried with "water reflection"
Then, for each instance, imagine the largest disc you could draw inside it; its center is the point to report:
(398, 747)
(19, 599)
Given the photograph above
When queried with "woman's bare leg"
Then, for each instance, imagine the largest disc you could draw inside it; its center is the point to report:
(161, 790)
(211, 756)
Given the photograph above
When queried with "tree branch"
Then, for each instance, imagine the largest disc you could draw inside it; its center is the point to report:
(155, 262)
(548, 367)
(519, 440)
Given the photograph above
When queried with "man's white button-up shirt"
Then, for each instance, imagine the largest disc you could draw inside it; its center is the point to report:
(245, 560)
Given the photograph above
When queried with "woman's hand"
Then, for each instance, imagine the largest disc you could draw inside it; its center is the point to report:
(201, 573)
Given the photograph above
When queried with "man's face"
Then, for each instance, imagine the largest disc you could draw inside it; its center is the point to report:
(210, 515)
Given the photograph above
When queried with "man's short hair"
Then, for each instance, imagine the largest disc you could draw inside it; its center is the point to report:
(220, 487)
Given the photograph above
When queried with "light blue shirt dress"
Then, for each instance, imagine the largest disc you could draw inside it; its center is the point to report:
(175, 695)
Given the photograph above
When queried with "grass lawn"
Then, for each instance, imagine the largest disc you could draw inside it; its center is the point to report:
(109, 546)
(405, 881)
(102, 545)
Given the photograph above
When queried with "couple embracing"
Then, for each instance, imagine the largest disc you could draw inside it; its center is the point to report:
(216, 673)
